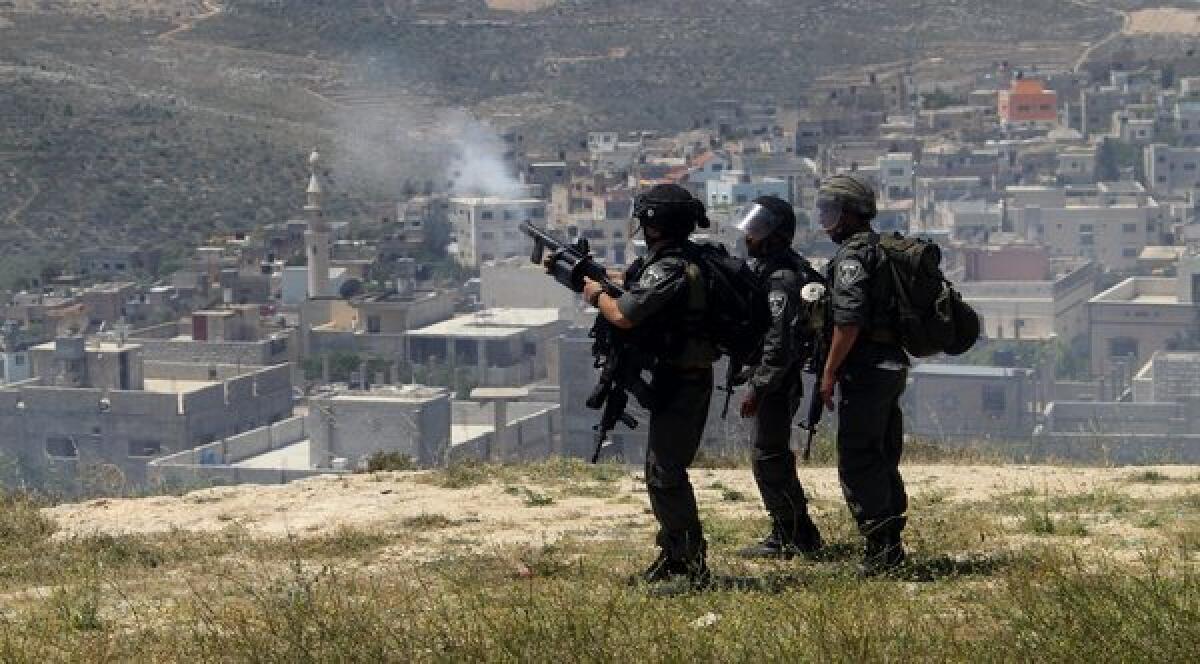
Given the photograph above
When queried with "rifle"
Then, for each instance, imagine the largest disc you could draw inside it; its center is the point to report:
(619, 362)
(814, 295)
(733, 378)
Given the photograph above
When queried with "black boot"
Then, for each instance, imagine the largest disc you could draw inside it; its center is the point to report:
(784, 542)
(883, 554)
(662, 569)
(691, 571)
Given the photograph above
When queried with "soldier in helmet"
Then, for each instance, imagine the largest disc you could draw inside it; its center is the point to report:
(775, 386)
(664, 303)
(869, 368)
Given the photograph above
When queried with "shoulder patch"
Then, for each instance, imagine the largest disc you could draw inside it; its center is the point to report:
(777, 300)
(654, 275)
(850, 272)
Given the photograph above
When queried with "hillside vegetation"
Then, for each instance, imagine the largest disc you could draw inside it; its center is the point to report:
(528, 563)
(164, 121)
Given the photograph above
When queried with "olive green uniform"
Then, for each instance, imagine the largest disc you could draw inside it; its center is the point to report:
(870, 424)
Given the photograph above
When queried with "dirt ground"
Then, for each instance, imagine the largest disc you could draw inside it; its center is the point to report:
(505, 512)
(1164, 21)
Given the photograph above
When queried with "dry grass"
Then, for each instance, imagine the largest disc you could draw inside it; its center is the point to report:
(999, 576)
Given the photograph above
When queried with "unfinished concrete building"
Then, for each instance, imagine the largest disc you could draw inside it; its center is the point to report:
(98, 407)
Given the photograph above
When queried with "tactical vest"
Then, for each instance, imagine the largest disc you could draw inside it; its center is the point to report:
(675, 335)
(881, 323)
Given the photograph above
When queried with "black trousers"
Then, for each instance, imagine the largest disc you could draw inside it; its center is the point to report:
(870, 441)
(675, 430)
(773, 461)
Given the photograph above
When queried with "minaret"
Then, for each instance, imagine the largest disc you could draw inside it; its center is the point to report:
(316, 238)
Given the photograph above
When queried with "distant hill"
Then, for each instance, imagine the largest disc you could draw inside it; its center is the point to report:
(639, 63)
(165, 121)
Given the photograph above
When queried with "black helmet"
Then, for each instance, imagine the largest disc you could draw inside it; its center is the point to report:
(671, 208)
(769, 215)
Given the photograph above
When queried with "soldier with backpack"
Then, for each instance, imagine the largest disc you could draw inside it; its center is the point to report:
(774, 387)
(665, 308)
(868, 365)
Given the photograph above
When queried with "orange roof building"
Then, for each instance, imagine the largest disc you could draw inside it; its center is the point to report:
(1027, 100)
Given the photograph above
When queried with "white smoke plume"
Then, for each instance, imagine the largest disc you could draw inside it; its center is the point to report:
(393, 145)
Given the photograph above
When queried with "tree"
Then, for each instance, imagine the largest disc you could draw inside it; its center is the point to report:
(1108, 168)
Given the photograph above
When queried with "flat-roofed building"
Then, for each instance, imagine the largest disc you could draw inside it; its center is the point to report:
(951, 402)
(1142, 315)
(497, 347)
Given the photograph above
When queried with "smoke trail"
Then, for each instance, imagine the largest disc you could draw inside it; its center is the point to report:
(391, 144)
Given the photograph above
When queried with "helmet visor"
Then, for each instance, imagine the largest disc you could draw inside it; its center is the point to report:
(758, 222)
(829, 211)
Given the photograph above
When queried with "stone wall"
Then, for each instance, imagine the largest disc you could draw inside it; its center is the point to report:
(244, 353)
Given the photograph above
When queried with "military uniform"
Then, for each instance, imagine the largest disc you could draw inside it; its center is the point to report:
(870, 423)
(662, 291)
(778, 387)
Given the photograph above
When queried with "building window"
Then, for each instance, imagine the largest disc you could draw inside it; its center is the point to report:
(1129, 228)
(993, 400)
(1129, 252)
(374, 325)
(1189, 166)
(536, 213)
(487, 235)
(508, 215)
(145, 448)
(61, 447)
(1123, 347)
(487, 215)
(19, 360)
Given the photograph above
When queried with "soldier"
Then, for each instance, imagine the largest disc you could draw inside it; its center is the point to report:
(775, 387)
(664, 303)
(869, 367)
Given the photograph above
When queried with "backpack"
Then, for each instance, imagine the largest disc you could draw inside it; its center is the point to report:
(930, 316)
(737, 314)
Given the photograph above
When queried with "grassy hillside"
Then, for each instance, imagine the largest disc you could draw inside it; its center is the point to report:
(163, 121)
(528, 564)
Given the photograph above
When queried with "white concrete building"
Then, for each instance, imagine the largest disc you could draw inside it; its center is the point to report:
(1170, 170)
(1142, 315)
(739, 188)
(1034, 309)
(487, 229)
(1106, 223)
(895, 175)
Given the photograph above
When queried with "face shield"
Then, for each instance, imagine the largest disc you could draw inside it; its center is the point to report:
(758, 222)
(829, 211)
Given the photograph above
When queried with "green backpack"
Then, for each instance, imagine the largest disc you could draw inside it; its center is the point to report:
(930, 315)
